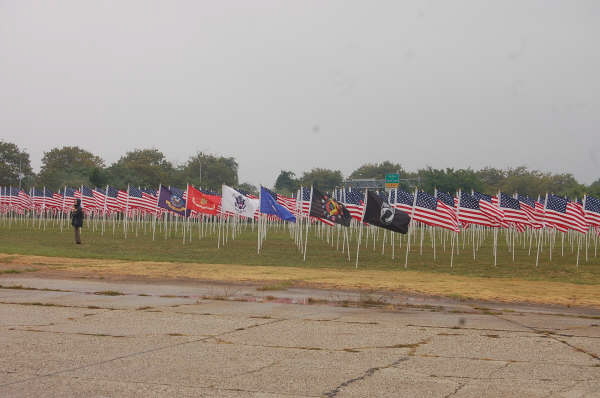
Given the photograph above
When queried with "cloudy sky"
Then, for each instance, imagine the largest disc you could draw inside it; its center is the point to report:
(300, 84)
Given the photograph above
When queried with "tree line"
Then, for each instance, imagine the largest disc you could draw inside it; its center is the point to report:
(74, 166)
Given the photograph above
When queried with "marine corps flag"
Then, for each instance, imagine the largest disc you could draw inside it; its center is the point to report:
(328, 209)
(381, 214)
(201, 202)
(172, 202)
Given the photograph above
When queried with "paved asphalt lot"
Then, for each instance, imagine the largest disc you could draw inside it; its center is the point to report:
(213, 340)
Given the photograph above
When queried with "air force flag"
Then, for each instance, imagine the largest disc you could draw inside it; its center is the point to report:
(268, 205)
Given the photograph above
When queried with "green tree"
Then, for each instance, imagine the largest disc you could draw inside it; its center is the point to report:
(565, 185)
(69, 165)
(377, 170)
(594, 188)
(246, 187)
(14, 163)
(450, 180)
(286, 182)
(210, 171)
(491, 178)
(322, 179)
(144, 168)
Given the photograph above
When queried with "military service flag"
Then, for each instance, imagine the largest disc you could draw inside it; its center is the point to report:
(328, 209)
(172, 202)
(381, 214)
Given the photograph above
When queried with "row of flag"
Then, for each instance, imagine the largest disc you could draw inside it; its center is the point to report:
(392, 210)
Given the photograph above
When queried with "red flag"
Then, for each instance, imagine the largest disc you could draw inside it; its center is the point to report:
(201, 202)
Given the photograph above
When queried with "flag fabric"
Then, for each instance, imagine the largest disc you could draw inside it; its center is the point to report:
(112, 199)
(469, 211)
(329, 210)
(137, 200)
(171, 201)
(404, 201)
(380, 213)
(433, 212)
(268, 205)
(511, 208)
(533, 209)
(304, 198)
(489, 207)
(591, 210)
(355, 203)
(234, 202)
(287, 202)
(100, 197)
(53, 201)
(38, 198)
(445, 198)
(201, 202)
(87, 198)
(564, 215)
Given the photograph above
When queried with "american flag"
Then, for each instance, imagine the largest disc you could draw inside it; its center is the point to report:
(404, 201)
(112, 199)
(138, 201)
(19, 200)
(489, 208)
(88, 201)
(123, 198)
(431, 211)
(150, 194)
(469, 211)
(305, 200)
(445, 198)
(287, 202)
(512, 210)
(3, 195)
(100, 197)
(533, 210)
(38, 198)
(53, 200)
(564, 215)
(354, 202)
(592, 210)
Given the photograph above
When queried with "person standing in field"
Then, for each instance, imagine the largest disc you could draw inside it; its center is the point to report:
(77, 220)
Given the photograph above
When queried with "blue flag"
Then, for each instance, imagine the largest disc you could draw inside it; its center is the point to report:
(268, 205)
(171, 201)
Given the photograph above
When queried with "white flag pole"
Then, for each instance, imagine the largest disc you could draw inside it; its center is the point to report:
(308, 223)
(412, 215)
(362, 217)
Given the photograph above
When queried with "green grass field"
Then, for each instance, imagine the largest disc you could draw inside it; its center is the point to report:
(279, 250)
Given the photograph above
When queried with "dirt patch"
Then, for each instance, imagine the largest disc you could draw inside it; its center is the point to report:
(490, 289)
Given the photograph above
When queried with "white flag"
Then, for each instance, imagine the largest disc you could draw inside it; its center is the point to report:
(236, 203)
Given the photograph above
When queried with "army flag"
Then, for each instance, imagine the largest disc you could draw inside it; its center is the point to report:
(234, 202)
(172, 202)
(381, 214)
(328, 209)
(202, 202)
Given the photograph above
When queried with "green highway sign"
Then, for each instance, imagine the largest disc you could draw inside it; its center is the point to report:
(392, 178)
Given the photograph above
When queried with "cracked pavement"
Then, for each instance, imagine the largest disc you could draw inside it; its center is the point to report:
(63, 338)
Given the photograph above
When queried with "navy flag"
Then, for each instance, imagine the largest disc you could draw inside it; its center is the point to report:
(171, 201)
(380, 213)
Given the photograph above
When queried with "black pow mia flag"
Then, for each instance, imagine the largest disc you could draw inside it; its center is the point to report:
(328, 209)
(380, 213)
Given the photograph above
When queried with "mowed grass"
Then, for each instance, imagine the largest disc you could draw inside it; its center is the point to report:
(279, 250)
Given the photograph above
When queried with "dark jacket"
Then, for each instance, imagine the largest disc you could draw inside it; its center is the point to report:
(77, 217)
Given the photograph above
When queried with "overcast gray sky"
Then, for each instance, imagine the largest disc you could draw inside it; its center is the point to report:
(301, 84)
